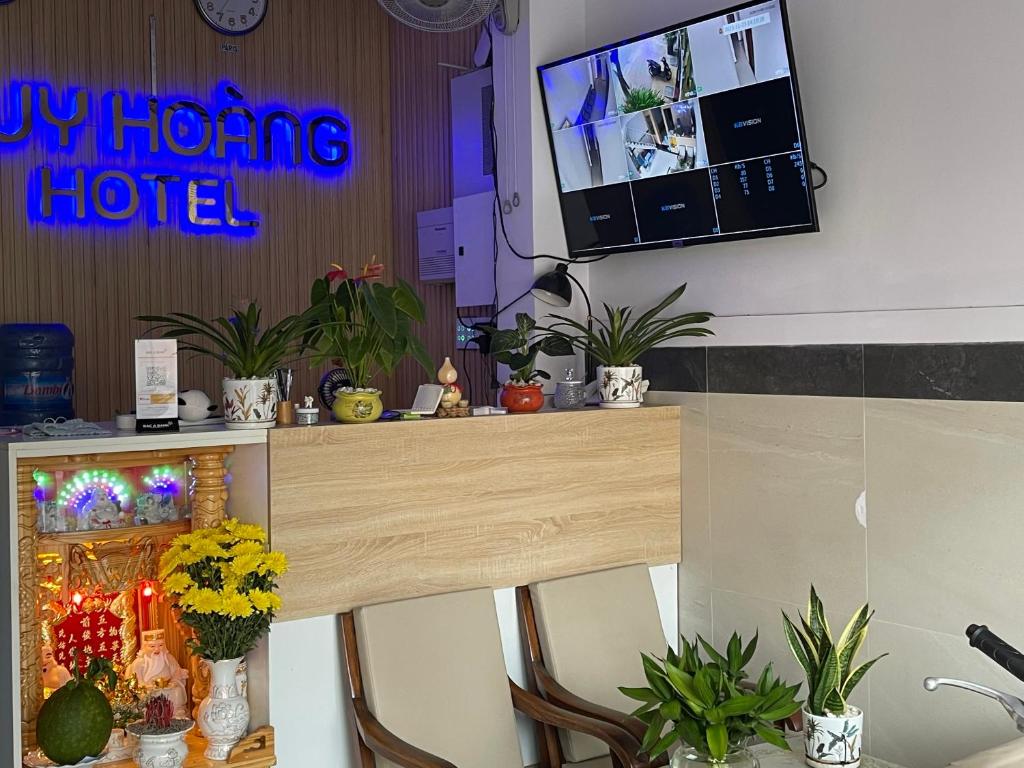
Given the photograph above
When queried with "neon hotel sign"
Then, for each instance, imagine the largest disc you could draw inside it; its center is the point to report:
(155, 155)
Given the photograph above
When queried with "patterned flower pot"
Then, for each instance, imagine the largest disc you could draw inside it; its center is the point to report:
(224, 713)
(833, 741)
(357, 406)
(250, 403)
(165, 750)
(522, 399)
(621, 387)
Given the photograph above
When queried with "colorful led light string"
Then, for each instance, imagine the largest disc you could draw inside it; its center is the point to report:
(163, 480)
(78, 489)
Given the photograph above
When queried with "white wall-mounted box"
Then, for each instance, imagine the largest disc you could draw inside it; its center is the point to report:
(436, 240)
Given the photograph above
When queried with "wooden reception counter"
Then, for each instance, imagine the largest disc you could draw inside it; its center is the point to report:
(384, 511)
(365, 514)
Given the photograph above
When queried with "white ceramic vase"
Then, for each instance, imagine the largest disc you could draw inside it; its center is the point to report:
(224, 713)
(166, 750)
(250, 403)
(831, 742)
(621, 387)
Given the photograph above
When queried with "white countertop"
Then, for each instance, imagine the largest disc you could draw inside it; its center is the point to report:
(189, 437)
(773, 757)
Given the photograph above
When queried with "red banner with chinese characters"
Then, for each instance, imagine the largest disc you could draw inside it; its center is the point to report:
(88, 629)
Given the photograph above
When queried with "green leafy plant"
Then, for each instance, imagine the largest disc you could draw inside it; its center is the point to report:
(710, 704)
(364, 325)
(828, 664)
(619, 340)
(237, 341)
(640, 99)
(518, 348)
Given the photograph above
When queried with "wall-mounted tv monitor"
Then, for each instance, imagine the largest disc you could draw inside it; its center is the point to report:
(691, 134)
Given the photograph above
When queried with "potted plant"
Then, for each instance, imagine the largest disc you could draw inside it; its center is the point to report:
(252, 356)
(161, 736)
(833, 728)
(523, 393)
(709, 707)
(222, 581)
(619, 341)
(366, 328)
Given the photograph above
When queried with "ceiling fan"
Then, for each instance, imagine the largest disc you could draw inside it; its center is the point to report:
(454, 15)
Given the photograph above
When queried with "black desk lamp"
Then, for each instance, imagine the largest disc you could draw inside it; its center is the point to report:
(555, 289)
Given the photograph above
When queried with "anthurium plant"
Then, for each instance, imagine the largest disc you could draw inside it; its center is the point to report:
(828, 663)
(518, 348)
(365, 325)
(709, 704)
(222, 580)
(238, 341)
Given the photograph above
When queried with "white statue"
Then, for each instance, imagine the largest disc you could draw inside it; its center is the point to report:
(100, 512)
(158, 672)
(51, 518)
(54, 674)
(155, 508)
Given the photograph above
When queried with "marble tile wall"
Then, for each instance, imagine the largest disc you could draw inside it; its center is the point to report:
(914, 504)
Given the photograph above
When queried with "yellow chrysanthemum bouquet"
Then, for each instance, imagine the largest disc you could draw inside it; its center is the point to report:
(222, 580)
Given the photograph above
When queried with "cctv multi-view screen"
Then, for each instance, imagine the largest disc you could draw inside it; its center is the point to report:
(688, 135)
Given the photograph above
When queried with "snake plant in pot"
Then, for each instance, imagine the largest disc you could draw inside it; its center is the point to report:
(833, 728)
(619, 340)
(709, 707)
(251, 353)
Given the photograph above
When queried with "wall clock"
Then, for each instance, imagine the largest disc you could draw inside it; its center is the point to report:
(233, 17)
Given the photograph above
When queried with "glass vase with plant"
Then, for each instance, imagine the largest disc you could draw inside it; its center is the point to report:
(833, 728)
(518, 349)
(367, 328)
(710, 707)
(222, 581)
(618, 341)
(251, 353)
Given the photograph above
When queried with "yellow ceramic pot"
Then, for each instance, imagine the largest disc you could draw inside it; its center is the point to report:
(357, 407)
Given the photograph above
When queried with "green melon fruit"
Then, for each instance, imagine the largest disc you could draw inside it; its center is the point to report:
(75, 722)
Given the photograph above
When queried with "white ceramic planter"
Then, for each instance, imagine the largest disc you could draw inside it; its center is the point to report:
(621, 387)
(833, 741)
(161, 751)
(224, 714)
(250, 403)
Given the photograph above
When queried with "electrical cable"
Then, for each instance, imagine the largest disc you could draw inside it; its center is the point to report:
(497, 185)
(824, 176)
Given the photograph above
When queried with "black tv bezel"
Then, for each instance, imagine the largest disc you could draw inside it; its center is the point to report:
(597, 254)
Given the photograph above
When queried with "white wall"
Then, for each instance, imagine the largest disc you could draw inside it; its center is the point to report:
(911, 108)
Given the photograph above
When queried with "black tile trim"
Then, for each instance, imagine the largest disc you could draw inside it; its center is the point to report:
(982, 372)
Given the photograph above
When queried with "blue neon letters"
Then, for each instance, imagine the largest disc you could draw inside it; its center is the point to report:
(154, 146)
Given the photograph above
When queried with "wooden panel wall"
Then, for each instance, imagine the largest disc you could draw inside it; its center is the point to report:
(390, 511)
(309, 53)
(421, 171)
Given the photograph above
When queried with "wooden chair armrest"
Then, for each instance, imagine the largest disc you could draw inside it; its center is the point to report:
(558, 694)
(623, 746)
(388, 745)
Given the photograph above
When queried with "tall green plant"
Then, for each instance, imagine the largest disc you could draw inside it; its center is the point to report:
(710, 705)
(237, 341)
(640, 99)
(365, 325)
(518, 348)
(829, 665)
(619, 340)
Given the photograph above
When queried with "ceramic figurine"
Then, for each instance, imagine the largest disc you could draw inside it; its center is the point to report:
(158, 672)
(54, 674)
(447, 374)
(99, 512)
(155, 508)
(194, 405)
(51, 518)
